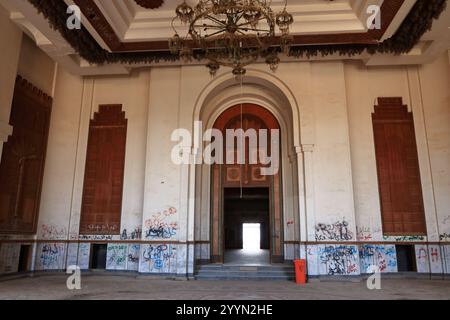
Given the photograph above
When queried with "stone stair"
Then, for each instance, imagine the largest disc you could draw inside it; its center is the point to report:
(284, 272)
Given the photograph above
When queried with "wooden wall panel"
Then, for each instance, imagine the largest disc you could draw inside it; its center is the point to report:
(105, 163)
(23, 158)
(398, 169)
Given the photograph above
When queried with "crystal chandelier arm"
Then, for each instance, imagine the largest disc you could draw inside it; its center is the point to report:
(172, 24)
(253, 29)
(213, 34)
(216, 20)
(249, 22)
(208, 26)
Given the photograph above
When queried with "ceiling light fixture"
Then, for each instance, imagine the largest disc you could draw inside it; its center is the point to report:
(232, 33)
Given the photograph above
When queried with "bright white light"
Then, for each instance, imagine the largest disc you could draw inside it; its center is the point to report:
(252, 236)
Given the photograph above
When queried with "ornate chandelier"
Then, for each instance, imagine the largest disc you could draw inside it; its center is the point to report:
(232, 33)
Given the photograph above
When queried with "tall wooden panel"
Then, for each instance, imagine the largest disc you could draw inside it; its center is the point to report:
(103, 180)
(398, 169)
(22, 163)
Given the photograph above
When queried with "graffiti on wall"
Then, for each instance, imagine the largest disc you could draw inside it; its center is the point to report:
(51, 256)
(101, 237)
(428, 259)
(133, 257)
(116, 256)
(382, 256)
(366, 234)
(136, 234)
(422, 262)
(444, 237)
(84, 251)
(339, 260)
(161, 225)
(102, 228)
(363, 234)
(446, 258)
(51, 232)
(403, 238)
(338, 231)
(72, 254)
(159, 258)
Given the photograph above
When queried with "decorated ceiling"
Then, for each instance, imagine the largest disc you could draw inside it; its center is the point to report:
(135, 32)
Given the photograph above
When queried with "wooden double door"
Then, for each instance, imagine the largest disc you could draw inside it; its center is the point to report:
(247, 176)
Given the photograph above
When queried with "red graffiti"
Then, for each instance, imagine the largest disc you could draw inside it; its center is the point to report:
(434, 255)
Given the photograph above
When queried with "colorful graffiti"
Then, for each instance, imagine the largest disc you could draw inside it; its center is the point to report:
(116, 257)
(158, 258)
(160, 226)
(384, 257)
(339, 260)
(338, 231)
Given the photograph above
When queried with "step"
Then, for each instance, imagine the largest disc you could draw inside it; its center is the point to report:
(268, 273)
(244, 268)
(244, 272)
(242, 277)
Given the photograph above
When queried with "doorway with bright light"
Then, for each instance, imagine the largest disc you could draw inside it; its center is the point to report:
(247, 226)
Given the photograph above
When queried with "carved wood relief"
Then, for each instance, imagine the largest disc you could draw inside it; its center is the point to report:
(23, 158)
(105, 163)
(398, 169)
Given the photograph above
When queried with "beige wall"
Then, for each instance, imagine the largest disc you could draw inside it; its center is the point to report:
(36, 66)
(435, 83)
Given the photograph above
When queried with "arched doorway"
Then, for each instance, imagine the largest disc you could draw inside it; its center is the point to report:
(240, 187)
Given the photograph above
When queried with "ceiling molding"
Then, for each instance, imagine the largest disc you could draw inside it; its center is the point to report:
(99, 22)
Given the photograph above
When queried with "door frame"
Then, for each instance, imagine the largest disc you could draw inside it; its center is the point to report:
(217, 189)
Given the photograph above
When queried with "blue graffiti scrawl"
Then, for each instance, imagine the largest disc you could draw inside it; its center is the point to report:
(51, 256)
(158, 258)
(339, 260)
(382, 256)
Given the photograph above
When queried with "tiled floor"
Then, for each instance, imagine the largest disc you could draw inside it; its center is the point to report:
(107, 286)
(246, 257)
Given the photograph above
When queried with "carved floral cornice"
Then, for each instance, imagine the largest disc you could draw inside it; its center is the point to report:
(150, 4)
